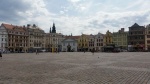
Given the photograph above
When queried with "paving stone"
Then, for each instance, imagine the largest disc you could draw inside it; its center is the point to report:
(75, 68)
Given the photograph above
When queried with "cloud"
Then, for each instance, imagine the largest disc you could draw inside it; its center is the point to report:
(76, 16)
(74, 1)
(10, 8)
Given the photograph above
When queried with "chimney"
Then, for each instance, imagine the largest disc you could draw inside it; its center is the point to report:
(122, 29)
(24, 26)
(28, 25)
(34, 25)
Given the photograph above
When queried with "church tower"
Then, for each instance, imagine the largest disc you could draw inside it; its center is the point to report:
(50, 31)
(53, 28)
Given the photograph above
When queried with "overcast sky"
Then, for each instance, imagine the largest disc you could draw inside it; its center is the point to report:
(76, 16)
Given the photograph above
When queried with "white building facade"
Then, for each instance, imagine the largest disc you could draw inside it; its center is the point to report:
(98, 44)
(3, 39)
(69, 45)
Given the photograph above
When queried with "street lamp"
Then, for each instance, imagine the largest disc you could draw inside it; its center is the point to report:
(82, 43)
(94, 45)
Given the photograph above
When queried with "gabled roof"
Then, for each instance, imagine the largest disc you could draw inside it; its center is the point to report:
(12, 27)
(8, 26)
(135, 25)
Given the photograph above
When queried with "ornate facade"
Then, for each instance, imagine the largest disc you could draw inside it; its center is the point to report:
(136, 38)
(120, 38)
(69, 45)
(99, 41)
(108, 38)
(54, 39)
(36, 38)
(83, 42)
(147, 38)
(3, 39)
(17, 38)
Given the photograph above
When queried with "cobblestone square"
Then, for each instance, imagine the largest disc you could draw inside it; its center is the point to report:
(75, 68)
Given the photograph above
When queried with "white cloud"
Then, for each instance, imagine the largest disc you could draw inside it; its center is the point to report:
(88, 17)
(74, 1)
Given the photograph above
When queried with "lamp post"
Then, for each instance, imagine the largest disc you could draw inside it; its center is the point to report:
(82, 43)
(94, 43)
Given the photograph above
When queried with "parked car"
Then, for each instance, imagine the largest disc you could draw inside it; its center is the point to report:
(43, 50)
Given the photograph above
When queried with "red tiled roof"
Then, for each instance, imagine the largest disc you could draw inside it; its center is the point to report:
(11, 27)
(8, 26)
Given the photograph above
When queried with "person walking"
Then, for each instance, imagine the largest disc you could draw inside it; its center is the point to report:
(36, 52)
(0, 54)
(93, 51)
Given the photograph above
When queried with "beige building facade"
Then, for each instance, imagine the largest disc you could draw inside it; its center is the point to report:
(17, 38)
(36, 38)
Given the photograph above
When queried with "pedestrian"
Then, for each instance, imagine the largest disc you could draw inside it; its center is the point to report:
(93, 51)
(36, 52)
(0, 54)
(58, 50)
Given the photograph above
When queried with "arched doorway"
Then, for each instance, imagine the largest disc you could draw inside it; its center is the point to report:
(68, 48)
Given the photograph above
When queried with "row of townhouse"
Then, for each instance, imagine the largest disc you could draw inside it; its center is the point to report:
(13, 38)
(136, 39)
(83, 43)
(139, 38)
(30, 38)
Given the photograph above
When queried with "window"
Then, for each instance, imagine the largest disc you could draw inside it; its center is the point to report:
(115, 35)
(2, 45)
(101, 44)
(148, 42)
(63, 44)
(148, 36)
(124, 43)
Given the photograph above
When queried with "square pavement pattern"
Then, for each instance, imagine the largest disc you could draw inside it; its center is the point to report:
(75, 68)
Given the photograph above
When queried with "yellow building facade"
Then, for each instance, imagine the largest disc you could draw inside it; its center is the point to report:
(120, 38)
(108, 38)
(83, 42)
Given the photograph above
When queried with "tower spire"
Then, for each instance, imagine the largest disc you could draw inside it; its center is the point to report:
(50, 31)
(53, 28)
